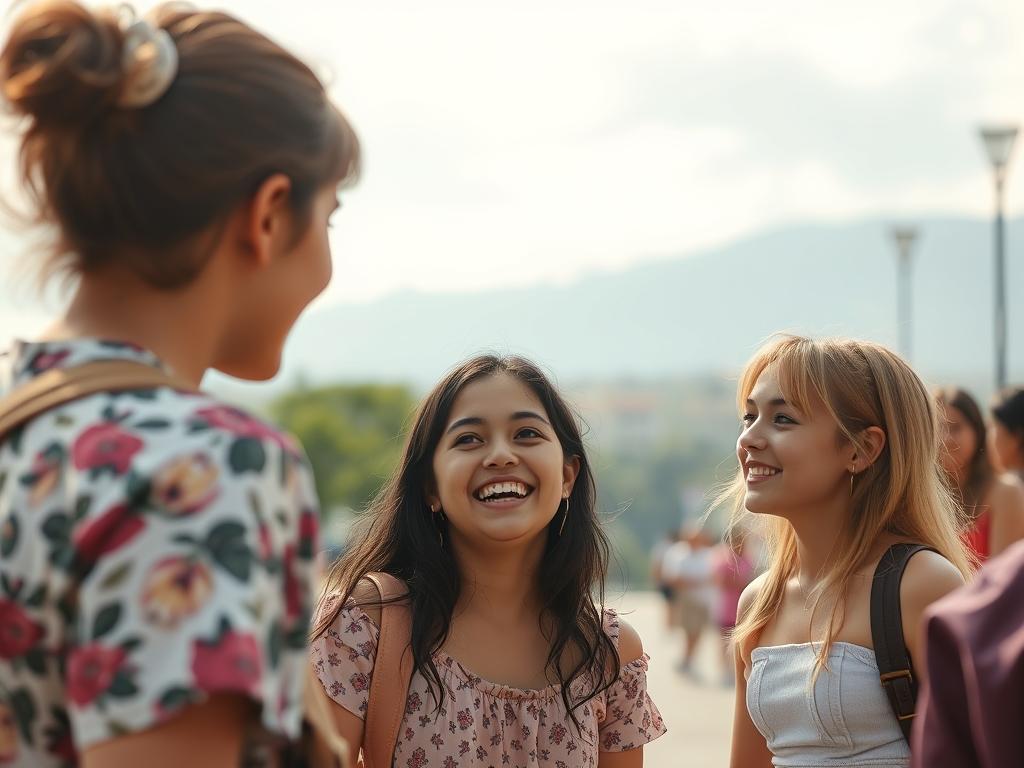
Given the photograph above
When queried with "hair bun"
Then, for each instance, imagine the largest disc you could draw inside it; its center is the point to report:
(61, 64)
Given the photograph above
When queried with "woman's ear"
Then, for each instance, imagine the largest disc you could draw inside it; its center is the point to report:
(872, 443)
(570, 470)
(433, 500)
(267, 219)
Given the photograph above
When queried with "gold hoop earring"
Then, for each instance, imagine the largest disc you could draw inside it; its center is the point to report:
(565, 516)
(851, 483)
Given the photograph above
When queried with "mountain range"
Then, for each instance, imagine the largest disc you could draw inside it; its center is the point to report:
(694, 314)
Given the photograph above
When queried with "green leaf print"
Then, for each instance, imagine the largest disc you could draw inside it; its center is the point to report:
(9, 536)
(14, 440)
(82, 505)
(24, 713)
(122, 686)
(137, 488)
(37, 597)
(226, 545)
(57, 528)
(10, 588)
(66, 608)
(153, 424)
(35, 659)
(247, 455)
(117, 576)
(274, 644)
(106, 620)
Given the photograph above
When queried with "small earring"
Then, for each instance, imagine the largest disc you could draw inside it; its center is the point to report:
(435, 511)
(851, 481)
(565, 516)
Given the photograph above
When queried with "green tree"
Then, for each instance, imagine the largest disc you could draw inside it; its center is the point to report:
(352, 434)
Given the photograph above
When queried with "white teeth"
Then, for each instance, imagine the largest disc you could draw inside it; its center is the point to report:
(762, 471)
(494, 489)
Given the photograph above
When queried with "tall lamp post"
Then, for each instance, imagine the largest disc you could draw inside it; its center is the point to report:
(998, 142)
(904, 238)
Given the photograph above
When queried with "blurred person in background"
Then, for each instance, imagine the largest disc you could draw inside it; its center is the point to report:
(733, 567)
(992, 501)
(687, 567)
(1006, 435)
(657, 574)
(157, 545)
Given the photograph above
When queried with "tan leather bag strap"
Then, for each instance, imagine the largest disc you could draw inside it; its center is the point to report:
(64, 385)
(392, 672)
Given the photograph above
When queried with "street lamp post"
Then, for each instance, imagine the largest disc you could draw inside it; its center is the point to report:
(998, 142)
(904, 238)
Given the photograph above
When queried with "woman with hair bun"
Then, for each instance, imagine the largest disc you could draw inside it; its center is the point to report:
(156, 545)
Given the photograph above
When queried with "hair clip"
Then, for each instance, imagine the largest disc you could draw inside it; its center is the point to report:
(149, 63)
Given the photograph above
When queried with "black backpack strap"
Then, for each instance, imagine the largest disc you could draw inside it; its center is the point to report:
(894, 666)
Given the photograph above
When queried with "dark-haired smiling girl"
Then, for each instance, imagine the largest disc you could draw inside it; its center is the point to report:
(490, 523)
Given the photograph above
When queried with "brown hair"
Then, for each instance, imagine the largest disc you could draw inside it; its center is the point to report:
(148, 188)
(1008, 410)
(398, 534)
(980, 472)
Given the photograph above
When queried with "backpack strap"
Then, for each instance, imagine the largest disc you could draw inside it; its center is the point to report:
(392, 672)
(64, 385)
(894, 665)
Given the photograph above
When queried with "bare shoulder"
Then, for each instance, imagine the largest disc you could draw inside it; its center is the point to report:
(631, 647)
(1006, 491)
(749, 595)
(928, 577)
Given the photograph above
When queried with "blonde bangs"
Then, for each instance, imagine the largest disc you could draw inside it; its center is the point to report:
(797, 365)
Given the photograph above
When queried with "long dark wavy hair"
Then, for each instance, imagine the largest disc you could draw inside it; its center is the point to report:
(980, 472)
(397, 535)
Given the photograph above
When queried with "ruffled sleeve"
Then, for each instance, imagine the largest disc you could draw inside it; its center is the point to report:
(343, 658)
(630, 718)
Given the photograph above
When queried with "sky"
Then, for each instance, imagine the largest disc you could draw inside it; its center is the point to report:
(512, 144)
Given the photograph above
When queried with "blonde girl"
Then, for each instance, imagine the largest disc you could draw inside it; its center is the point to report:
(838, 455)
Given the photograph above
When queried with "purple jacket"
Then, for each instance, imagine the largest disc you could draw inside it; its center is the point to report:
(971, 710)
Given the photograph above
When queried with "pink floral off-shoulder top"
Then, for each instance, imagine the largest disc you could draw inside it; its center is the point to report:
(485, 724)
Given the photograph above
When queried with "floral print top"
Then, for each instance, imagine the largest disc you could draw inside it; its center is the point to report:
(155, 546)
(485, 724)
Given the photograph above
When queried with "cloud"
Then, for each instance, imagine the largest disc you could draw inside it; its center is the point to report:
(542, 140)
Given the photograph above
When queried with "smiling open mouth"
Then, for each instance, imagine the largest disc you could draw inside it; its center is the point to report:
(494, 492)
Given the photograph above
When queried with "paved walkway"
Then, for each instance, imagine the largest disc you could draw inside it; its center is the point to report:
(698, 712)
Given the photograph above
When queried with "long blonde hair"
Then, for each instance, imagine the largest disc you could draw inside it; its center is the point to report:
(903, 493)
